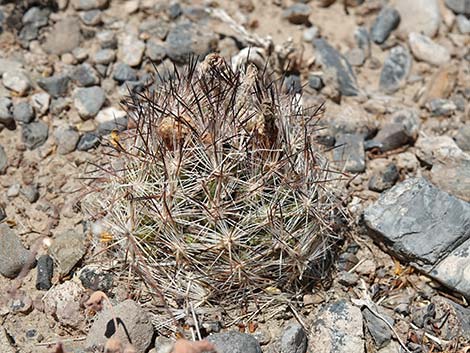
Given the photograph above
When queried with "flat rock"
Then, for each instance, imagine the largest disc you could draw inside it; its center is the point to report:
(9, 65)
(332, 59)
(385, 22)
(349, 152)
(67, 249)
(433, 149)
(421, 16)
(338, 329)
(459, 6)
(134, 325)
(419, 222)
(462, 138)
(13, 255)
(396, 68)
(425, 49)
(64, 36)
(234, 342)
(34, 134)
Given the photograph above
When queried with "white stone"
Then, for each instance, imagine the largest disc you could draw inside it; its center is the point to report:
(422, 16)
(425, 49)
(109, 114)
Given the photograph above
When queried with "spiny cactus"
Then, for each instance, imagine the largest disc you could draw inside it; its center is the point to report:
(219, 190)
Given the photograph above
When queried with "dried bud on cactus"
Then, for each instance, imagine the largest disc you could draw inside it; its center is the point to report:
(220, 191)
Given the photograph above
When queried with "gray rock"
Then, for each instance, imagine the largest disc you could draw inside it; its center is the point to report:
(123, 72)
(421, 16)
(293, 84)
(88, 141)
(155, 28)
(379, 330)
(400, 130)
(107, 39)
(96, 279)
(17, 81)
(332, 59)
(85, 75)
(234, 342)
(383, 181)
(56, 86)
(89, 101)
(67, 249)
(66, 139)
(396, 68)
(6, 116)
(187, 39)
(424, 49)
(3, 160)
(419, 222)
(45, 270)
(459, 6)
(349, 151)
(35, 134)
(13, 255)
(297, 14)
(36, 16)
(105, 56)
(30, 192)
(131, 50)
(315, 82)
(40, 102)
(28, 33)
(64, 36)
(441, 107)
(134, 325)
(463, 24)
(63, 302)
(362, 38)
(348, 279)
(155, 51)
(432, 149)
(23, 113)
(91, 17)
(386, 21)
(105, 128)
(58, 105)
(175, 10)
(89, 4)
(294, 339)
(462, 139)
(338, 329)
(452, 176)
(356, 56)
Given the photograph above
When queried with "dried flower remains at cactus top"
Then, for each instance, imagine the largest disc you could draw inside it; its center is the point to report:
(220, 191)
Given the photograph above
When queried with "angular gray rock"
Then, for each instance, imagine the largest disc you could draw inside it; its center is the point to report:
(362, 38)
(89, 101)
(379, 330)
(459, 6)
(462, 139)
(234, 342)
(385, 180)
(332, 59)
(386, 21)
(131, 50)
(123, 72)
(13, 255)
(338, 329)
(105, 56)
(56, 85)
(418, 222)
(34, 134)
(67, 249)
(294, 339)
(23, 113)
(134, 325)
(349, 150)
(85, 75)
(66, 139)
(88, 141)
(396, 68)
(452, 176)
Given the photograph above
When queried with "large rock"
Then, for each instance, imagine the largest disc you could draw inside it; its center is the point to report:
(134, 326)
(13, 255)
(235, 342)
(332, 59)
(421, 16)
(427, 227)
(338, 329)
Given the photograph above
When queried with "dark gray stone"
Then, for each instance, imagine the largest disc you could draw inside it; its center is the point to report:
(386, 21)
(88, 141)
(294, 339)
(379, 330)
(349, 151)
(30, 192)
(459, 6)
(35, 134)
(67, 249)
(297, 14)
(6, 116)
(383, 181)
(96, 279)
(23, 113)
(136, 327)
(441, 107)
(13, 255)
(396, 68)
(462, 139)
(89, 101)
(56, 86)
(332, 59)
(315, 82)
(419, 222)
(234, 342)
(45, 270)
(186, 40)
(3, 161)
(155, 51)
(123, 72)
(292, 84)
(85, 75)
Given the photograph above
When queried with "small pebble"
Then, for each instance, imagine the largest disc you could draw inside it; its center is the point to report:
(107, 39)
(34, 134)
(356, 56)
(6, 116)
(91, 18)
(17, 81)
(85, 75)
(30, 192)
(13, 190)
(441, 107)
(425, 49)
(23, 113)
(67, 140)
(45, 268)
(310, 34)
(40, 102)
(383, 181)
(3, 160)
(105, 56)
(316, 82)
(131, 50)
